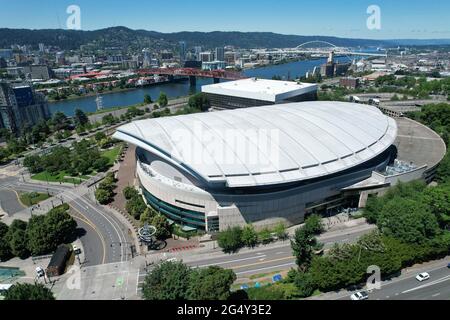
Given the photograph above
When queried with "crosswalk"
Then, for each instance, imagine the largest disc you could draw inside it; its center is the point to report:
(9, 172)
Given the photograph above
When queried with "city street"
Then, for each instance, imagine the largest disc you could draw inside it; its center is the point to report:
(264, 259)
(406, 287)
(105, 236)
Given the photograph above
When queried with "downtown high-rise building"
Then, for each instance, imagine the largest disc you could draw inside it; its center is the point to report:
(21, 107)
(220, 54)
(182, 51)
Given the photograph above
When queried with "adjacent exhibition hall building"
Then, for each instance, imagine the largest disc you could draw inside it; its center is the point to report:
(260, 165)
(255, 92)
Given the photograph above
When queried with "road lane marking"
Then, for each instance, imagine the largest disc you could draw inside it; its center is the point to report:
(446, 278)
(230, 261)
(387, 283)
(263, 262)
(266, 268)
(436, 295)
(88, 222)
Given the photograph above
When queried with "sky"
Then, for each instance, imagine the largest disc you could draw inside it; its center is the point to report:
(399, 19)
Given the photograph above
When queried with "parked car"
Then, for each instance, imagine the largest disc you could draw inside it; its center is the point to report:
(448, 265)
(422, 276)
(361, 295)
(40, 272)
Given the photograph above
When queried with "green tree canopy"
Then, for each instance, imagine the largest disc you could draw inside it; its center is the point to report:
(408, 220)
(147, 99)
(249, 237)
(212, 283)
(80, 118)
(5, 250)
(199, 101)
(230, 239)
(26, 291)
(162, 100)
(162, 226)
(167, 281)
(17, 239)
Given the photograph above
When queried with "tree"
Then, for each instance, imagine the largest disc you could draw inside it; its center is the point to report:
(39, 239)
(136, 206)
(130, 192)
(443, 172)
(99, 136)
(34, 163)
(280, 231)
(199, 101)
(303, 246)
(212, 283)
(26, 291)
(162, 226)
(103, 196)
(230, 239)
(264, 236)
(101, 164)
(147, 216)
(162, 100)
(147, 99)
(407, 220)
(314, 225)
(17, 239)
(45, 233)
(108, 119)
(80, 118)
(60, 121)
(305, 284)
(61, 226)
(5, 250)
(249, 237)
(438, 200)
(167, 281)
(4, 154)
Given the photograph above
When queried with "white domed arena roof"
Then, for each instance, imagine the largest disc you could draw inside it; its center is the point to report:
(267, 145)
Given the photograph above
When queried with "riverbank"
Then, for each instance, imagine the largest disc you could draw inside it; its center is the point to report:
(113, 90)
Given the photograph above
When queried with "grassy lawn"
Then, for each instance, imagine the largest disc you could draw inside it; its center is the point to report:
(263, 275)
(32, 198)
(60, 177)
(112, 154)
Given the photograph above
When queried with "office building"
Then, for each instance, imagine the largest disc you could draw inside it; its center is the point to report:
(206, 56)
(41, 72)
(220, 54)
(6, 54)
(182, 51)
(21, 106)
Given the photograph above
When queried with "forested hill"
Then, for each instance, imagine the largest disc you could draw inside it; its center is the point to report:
(124, 37)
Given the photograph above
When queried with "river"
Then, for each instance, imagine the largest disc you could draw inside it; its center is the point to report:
(180, 89)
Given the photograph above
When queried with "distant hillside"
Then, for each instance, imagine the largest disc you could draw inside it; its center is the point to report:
(130, 39)
(123, 37)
